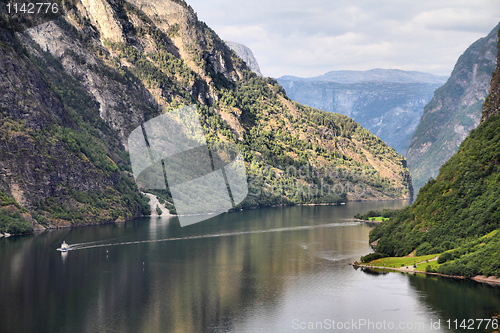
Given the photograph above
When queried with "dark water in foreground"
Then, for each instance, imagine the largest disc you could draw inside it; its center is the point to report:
(270, 270)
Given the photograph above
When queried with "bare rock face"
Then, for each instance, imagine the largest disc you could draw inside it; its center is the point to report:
(35, 162)
(247, 55)
(117, 101)
(453, 112)
(492, 103)
(198, 46)
(104, 17)
(114, 22)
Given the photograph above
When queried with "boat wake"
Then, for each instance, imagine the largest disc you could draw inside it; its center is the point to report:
(105, 243)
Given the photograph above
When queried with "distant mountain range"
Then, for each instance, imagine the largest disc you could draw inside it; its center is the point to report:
(374, 75)
(454, 110)
(388, 102)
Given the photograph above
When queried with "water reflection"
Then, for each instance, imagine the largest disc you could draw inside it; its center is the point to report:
(271, 266)
(64, 256)
(457, 299)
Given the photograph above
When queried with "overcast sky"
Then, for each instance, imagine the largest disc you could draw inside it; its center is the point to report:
(311, 37)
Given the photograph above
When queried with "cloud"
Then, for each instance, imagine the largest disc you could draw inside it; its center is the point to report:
(292, 37)
(452, 19)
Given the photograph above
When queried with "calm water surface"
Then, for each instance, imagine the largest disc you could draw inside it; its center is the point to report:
(270, 270)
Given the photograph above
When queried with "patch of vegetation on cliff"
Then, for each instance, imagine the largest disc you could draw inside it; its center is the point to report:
(11, 220)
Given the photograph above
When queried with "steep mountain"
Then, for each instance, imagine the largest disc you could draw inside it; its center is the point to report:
(454, 110)
(387, 102)
(457, 215)
(246, 55)
(76, 86)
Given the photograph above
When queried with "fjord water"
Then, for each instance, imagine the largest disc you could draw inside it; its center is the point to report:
(268, 270)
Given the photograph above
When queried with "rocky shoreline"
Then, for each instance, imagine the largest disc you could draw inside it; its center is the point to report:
(479, 278)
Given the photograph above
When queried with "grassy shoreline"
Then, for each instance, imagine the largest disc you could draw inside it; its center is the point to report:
(418, 265)
(367, 221)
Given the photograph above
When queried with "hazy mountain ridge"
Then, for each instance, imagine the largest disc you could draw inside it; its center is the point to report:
(389, 103)
(454, 110)
(374, 75)
(93, 76)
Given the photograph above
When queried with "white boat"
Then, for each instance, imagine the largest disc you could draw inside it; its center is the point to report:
(64, 247)
(7, 234)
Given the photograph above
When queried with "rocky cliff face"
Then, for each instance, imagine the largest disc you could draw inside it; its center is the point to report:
(75, 87)
(58, 160)
(389, 103)
(492, 103)
(247, 55)
(454, 110)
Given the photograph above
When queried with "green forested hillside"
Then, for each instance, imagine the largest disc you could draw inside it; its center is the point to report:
(456, 215)
(78, 85)
(454, 212)
(463, 201)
